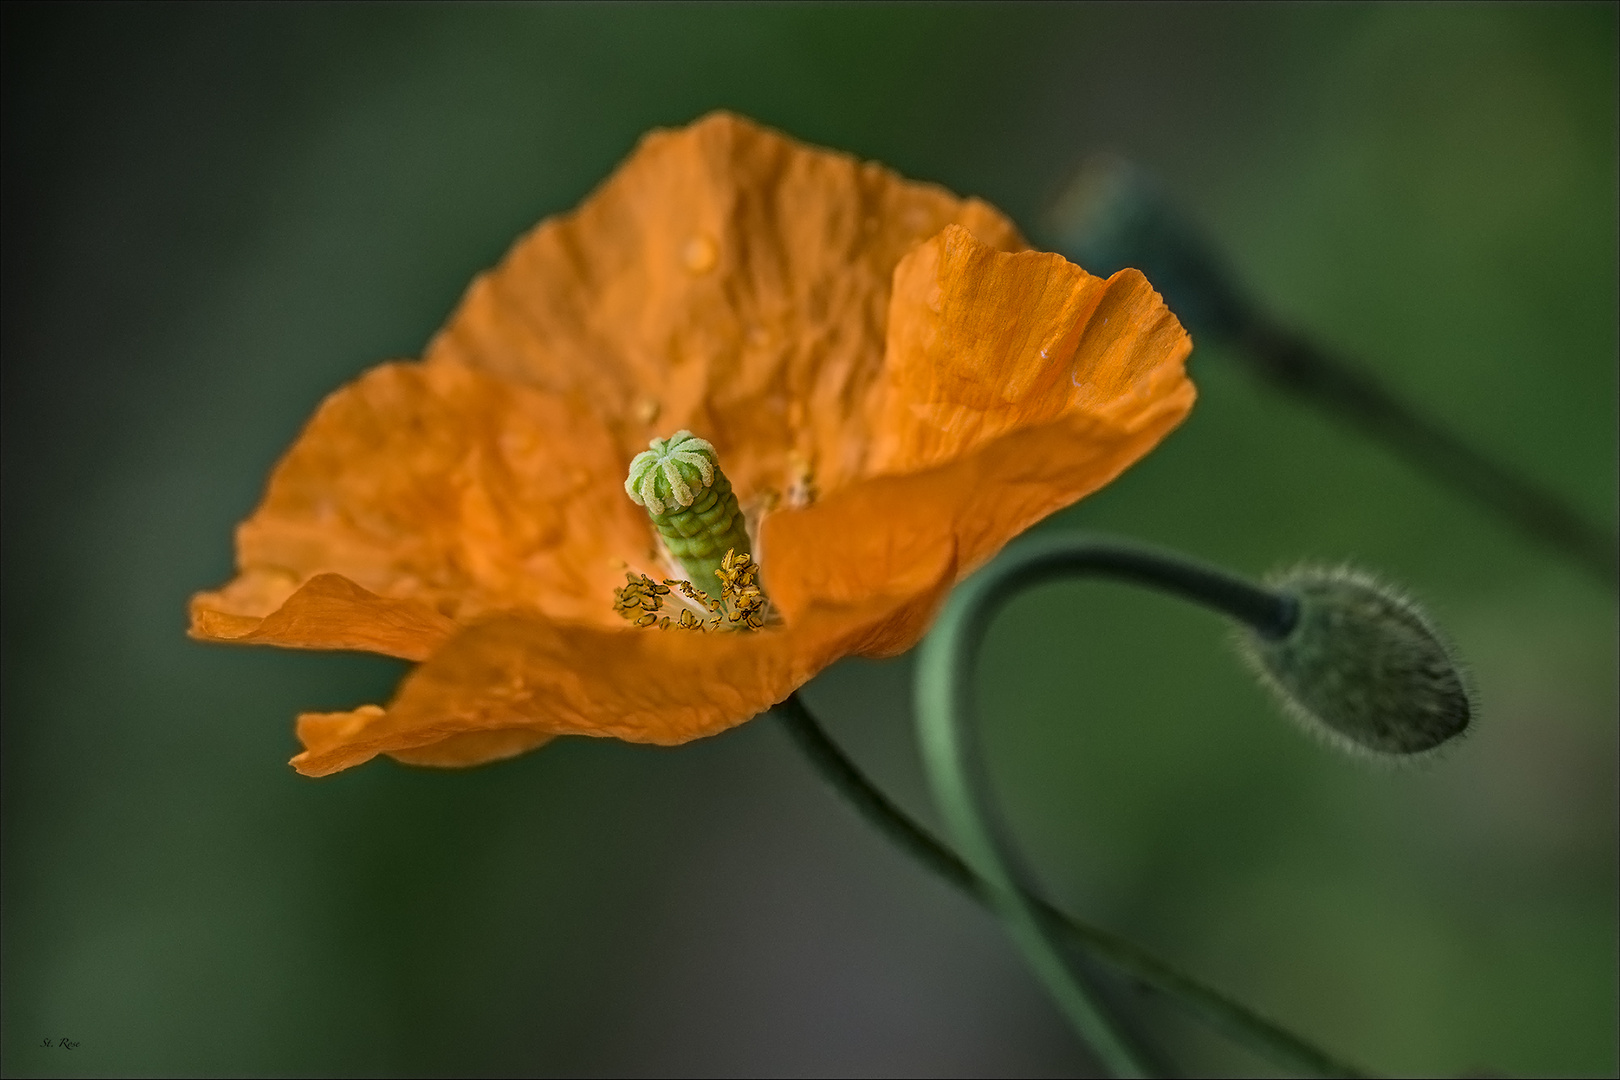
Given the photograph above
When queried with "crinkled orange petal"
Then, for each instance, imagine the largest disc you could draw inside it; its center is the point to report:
(725, 279)
(445, 487)
(322, 732)
(930, 402)
(982, 342)
(474, 748)
(1017, 383)
(1085, 376)
(523, 675)
(331, 612)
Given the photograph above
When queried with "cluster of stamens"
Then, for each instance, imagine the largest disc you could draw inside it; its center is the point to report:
(741, 605)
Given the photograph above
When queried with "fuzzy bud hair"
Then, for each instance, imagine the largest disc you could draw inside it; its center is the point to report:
(1362, 666)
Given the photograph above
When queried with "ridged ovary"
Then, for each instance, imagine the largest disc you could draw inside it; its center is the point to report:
(710, 524)
(700, 535)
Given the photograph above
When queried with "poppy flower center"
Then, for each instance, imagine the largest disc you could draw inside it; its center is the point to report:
(679, 482)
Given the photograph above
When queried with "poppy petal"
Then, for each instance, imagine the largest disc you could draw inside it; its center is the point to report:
(1017, 383)
(331, 612)
(726, 280)
(324, 733)
(526, 673)
(983, 342)
(444, 487)
(878, 357)
(474, 748)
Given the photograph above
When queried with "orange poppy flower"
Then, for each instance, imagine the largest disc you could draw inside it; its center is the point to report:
(893, 384)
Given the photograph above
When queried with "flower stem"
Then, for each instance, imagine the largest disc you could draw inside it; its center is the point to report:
(946, 669)
(1240, 1023)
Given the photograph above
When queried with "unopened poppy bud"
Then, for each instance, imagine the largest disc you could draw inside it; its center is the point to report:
(689, 499)
(1362, 666)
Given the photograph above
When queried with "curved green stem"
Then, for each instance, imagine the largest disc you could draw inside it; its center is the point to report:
(944, 688)
(1240, 1023)
(946, 668)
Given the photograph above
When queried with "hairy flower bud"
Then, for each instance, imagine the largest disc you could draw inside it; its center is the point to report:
(1362, 666)
(690, 501)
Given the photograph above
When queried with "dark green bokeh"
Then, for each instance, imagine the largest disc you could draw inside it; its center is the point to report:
(214, 216)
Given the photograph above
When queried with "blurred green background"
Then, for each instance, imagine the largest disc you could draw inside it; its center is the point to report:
(213, 216)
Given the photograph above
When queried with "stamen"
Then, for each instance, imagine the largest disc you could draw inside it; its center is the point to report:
(741, 606)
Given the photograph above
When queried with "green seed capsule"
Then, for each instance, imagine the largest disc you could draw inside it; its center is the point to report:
(689, 499)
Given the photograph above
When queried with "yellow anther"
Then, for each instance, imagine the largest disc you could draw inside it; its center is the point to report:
(741, 604)
(639, 598)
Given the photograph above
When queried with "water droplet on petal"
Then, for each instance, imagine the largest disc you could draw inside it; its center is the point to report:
(700, 254)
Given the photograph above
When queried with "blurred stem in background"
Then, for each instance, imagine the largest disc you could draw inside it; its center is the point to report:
(1113, 216)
